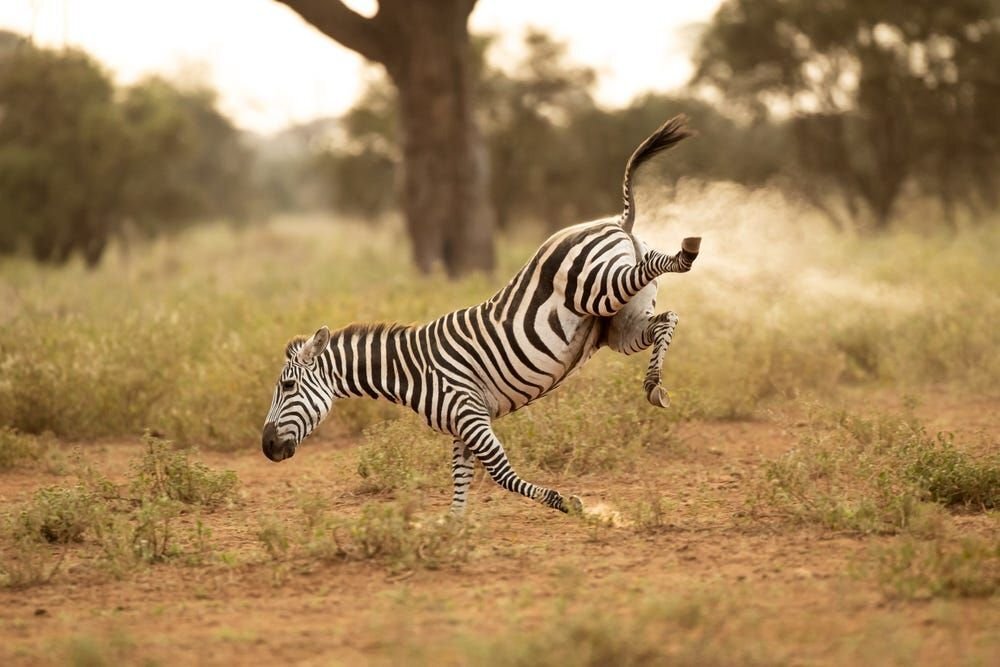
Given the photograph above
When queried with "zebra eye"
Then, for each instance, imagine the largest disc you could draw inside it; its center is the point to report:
(288, 385)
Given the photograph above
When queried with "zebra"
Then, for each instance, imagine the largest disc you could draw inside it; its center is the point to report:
(588, 286)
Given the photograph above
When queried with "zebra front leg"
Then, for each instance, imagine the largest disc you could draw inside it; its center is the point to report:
(659, 332)
(479, 437)
(635, 328)
(461, 474)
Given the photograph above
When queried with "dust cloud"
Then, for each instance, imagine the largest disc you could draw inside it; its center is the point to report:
(760, 243)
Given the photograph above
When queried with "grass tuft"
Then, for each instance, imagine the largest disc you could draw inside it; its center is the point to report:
(128, 526)
(879, 474)
(389, 533)
(403, 454)
(19, 449)
(650, 632)
(392, 534)
(650, 514)
(914, 570)
(60, 515)
(165, 472)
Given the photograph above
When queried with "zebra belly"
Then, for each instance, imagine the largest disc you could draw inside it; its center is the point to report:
(583, 337)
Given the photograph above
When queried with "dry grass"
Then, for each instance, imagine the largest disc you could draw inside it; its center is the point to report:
(875, 474)
(185, 337)
(957, 568)
(403, 455)
(121, 527)
(395, 534)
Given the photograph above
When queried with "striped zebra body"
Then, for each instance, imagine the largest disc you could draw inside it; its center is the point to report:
(587, 286)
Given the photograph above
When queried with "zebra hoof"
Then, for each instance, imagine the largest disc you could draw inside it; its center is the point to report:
(659, 397)
(573, 505)
(691, 244)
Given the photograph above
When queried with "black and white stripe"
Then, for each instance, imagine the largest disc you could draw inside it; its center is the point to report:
(587, 286)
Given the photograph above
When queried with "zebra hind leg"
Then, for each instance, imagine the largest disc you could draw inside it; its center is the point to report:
(488, 449)
(660, 331)
(461, 474)
(654, 264)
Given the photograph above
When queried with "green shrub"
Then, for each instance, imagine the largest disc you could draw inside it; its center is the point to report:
(875, 474)
(60, 515)
(949, 476)
(916, 570)
(145, 535)
(649, 514)
(392, 534)
(273, 535)
(19, 449)
(647, 632)
(403, 454)
(132, 525)
(389, 533)
(152, 537)
(24, 562)
(164, 472)
(163, 483)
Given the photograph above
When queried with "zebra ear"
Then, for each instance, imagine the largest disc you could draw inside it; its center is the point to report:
(314, 346)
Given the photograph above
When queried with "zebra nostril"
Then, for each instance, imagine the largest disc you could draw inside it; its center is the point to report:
(268, 439)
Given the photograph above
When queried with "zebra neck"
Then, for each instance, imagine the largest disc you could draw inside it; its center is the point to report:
(373, 361)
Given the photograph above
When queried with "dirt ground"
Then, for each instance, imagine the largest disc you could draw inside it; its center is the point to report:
(787, 595)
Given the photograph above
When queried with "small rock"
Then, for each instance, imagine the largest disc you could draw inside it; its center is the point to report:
(41, 612)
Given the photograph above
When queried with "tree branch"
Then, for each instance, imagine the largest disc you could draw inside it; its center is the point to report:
(334, 19)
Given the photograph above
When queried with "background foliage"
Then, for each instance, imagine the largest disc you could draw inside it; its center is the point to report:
(83, 162)
(866, 112)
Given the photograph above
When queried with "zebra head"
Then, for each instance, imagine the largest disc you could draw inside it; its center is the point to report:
(302, 398)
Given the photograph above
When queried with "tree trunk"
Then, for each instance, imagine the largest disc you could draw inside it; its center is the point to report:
(445, 164)
(424, 46)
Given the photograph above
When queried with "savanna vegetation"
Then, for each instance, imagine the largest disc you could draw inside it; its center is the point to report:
(792, 329)
(185, 338)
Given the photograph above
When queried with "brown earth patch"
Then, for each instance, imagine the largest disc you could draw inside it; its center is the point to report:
(789, 594)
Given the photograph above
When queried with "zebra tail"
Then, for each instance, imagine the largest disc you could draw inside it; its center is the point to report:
(669, 134)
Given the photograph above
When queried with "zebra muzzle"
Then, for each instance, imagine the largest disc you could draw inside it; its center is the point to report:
(273, 447)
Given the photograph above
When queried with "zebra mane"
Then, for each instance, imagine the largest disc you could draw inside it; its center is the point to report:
(356, 329)
(294, 345)
(365, 328)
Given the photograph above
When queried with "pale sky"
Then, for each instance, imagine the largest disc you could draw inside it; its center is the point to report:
(272, 69)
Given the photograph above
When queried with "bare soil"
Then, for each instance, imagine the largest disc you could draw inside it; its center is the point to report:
(792, 592)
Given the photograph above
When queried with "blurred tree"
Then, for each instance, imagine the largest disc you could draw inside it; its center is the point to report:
(424, 47)
(61, 154)
(78, 160)
(748, 153)
(526, 114)
(290, 167)
(556, 157)
(882, 94)
(186, 160)
(360, 170)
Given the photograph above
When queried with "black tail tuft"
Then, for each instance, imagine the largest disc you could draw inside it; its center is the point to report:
(666, 136)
